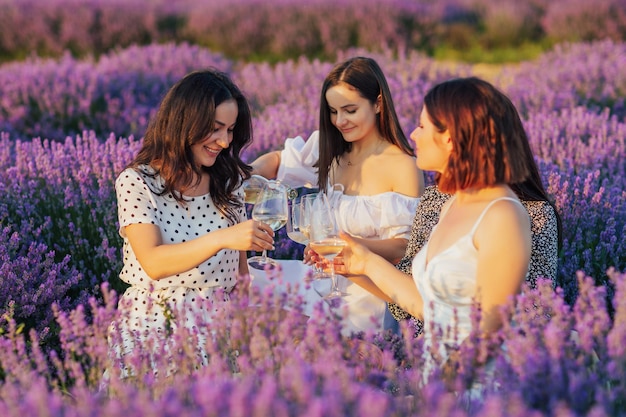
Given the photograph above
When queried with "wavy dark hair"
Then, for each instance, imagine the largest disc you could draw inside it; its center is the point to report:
(366, 76)
(490, 144)
(185, 117)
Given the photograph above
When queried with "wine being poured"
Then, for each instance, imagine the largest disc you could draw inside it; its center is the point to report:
(253, 186)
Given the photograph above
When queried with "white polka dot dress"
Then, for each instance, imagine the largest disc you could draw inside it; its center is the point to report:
(146, 305)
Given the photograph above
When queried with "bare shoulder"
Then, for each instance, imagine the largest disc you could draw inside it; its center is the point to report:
(401, 170)
(506, 215)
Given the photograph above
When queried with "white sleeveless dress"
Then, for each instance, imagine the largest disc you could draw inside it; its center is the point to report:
(381, 216)
(447, 285)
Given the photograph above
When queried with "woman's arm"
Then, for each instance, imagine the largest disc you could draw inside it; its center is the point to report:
(243, 263)
(370, 270)
(503, 241)
(392, 250)
(161, 260)
(294, 164)
(267, 165)
(366, 283)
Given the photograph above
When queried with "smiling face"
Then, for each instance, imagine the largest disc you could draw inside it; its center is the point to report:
(353, 115)
(432, 147)
(206, 151)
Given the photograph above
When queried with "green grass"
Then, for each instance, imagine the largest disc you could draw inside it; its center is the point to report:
(478, 54)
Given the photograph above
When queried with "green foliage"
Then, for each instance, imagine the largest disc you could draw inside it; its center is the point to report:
(476, 53)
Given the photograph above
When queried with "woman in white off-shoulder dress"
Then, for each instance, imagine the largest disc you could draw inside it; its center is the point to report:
(361, 146)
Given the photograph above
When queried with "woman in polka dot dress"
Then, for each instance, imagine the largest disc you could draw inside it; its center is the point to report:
(181, 211)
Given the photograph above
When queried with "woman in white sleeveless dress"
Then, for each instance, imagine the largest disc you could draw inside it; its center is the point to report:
(471, 135)
(361, 146)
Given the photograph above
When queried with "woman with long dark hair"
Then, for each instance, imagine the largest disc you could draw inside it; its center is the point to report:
(181, 211)
(361, 146)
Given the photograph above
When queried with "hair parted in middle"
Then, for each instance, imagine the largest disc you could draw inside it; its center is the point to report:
(365, 75)
(186, 116)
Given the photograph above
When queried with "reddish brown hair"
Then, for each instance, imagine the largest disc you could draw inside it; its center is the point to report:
(490, 145)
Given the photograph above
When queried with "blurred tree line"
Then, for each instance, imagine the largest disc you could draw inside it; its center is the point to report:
(258, 30)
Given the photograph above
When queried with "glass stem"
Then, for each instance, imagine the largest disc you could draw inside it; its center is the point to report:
(334, 287)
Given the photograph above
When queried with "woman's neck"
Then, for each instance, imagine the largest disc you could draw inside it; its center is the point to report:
(367, 145)
(199, 189)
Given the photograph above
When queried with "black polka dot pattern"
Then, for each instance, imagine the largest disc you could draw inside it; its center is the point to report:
(177, 223)
(146, 301)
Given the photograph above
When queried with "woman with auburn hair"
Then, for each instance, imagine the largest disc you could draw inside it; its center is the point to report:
(545, 232)
(471, 135)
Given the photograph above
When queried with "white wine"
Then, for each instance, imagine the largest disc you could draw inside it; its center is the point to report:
(251, 194)
(253, 186)
(298, 237)
(328, 248)
(305, 231)
(274, 221)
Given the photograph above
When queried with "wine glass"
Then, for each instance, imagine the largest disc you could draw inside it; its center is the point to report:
(294, 228)
(324, 237)
(271, 208)
(306, 206)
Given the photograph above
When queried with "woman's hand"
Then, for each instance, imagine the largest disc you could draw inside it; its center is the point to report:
(249, 235)
(353, 258)
(313, 258)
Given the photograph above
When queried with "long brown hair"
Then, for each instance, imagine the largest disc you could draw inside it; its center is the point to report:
(185, 117)
(365, 75)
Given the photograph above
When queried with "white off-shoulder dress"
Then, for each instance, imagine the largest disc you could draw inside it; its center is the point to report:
(381, 216)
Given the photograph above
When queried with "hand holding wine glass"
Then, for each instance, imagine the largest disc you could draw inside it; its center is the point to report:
(271, 208)
(324, 237)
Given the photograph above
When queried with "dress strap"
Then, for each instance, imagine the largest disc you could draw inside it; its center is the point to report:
(471, 233)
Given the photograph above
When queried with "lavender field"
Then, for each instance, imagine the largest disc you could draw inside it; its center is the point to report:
(69, 125)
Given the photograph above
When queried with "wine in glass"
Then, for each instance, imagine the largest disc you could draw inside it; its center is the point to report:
(324, 237)
(306, 207)
(271, 208)
(253, 186)
(294, 228)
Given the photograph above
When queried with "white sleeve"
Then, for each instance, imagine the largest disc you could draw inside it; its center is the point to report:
(297, 160)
